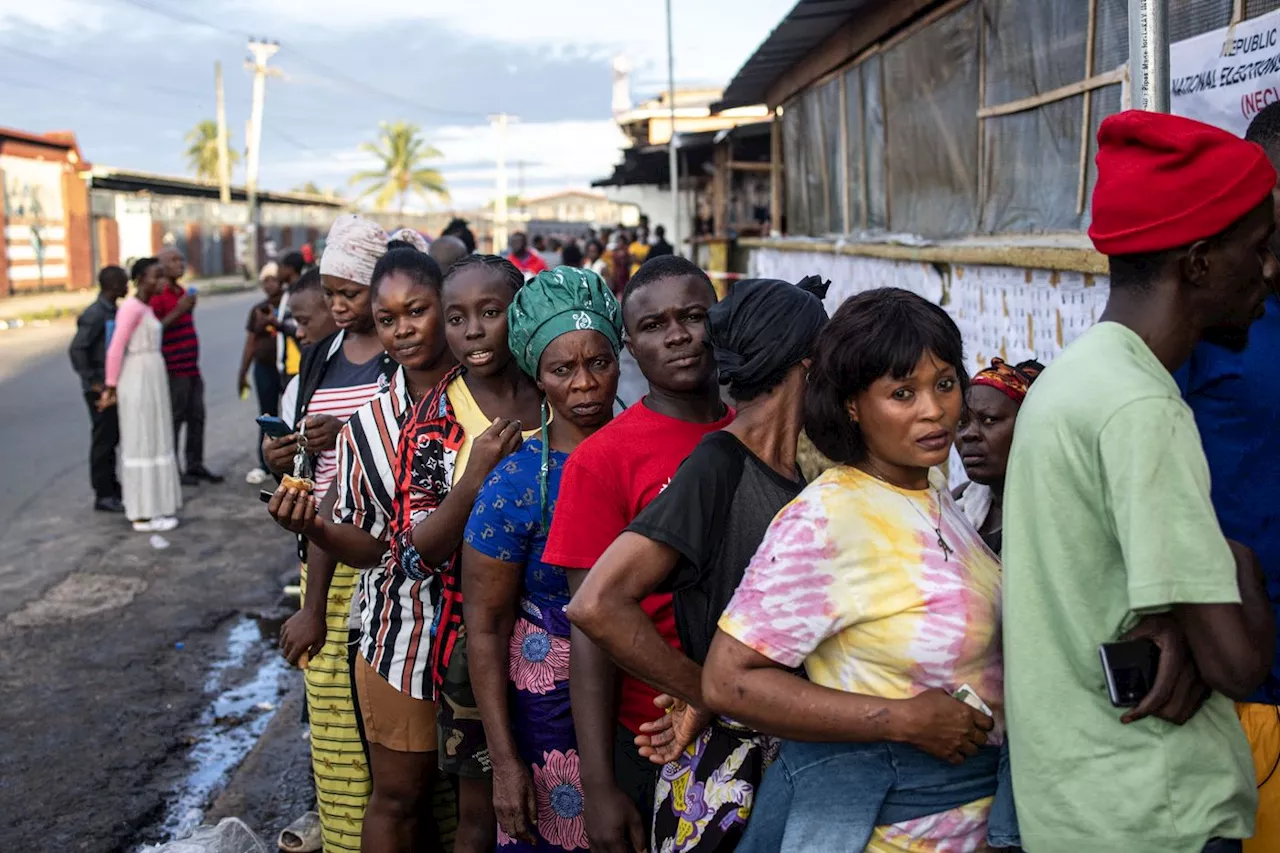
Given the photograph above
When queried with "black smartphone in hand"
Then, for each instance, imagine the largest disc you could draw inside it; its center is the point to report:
(274, 427)
(1130, 669)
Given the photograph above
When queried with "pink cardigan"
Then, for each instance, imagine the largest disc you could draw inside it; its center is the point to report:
(128, 316)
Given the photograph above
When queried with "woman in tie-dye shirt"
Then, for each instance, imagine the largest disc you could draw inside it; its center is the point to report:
(874, 582)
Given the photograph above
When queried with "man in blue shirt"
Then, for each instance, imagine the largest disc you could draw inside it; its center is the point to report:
(1232, 383)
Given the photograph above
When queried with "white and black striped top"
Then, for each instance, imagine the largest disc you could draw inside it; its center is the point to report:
(395, 612)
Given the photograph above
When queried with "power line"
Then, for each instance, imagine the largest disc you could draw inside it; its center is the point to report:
(97, 74)
(284, 137)
(85, 96)
(317, 68)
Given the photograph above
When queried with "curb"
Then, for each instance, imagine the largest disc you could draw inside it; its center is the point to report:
(44, 316)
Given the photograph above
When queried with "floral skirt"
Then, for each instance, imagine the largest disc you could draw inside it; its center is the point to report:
(538, 657)
(704, 797)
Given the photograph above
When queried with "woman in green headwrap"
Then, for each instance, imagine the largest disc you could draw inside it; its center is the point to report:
(565, 330)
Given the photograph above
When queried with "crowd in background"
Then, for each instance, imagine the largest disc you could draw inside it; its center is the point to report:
(614, 254)
(767, 624)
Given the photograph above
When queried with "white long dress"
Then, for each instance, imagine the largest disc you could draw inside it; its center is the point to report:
(149, 469)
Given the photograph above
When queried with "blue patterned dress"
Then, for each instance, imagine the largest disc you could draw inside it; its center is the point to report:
(507, 525)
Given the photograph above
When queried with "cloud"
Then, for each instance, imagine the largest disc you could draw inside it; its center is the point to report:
(131, 82)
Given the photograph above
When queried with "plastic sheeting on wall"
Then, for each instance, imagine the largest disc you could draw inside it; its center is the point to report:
(1032, 158)
(873, 139)
(931, 127)
(797, 205)
(829, 156)
(912, 138)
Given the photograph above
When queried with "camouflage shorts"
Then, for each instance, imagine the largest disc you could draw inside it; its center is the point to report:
(463, 749)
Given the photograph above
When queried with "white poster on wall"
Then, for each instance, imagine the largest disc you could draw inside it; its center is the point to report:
(1227, 76)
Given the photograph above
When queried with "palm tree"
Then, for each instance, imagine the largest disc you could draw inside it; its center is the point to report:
(202, 150)
(312, 188)
(404, 154)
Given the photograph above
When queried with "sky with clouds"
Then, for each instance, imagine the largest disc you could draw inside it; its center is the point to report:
(131, 77)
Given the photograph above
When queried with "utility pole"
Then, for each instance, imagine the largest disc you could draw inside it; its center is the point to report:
(673, 163)
(224, 166)
(1149, 55)
(501, 121)
(260, 52)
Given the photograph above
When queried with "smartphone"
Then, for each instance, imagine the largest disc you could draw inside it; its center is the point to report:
(274, 427)
(1130, 669)
(266, 496)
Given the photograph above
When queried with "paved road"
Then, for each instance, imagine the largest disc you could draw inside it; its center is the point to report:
(44, 425)
(111, 651)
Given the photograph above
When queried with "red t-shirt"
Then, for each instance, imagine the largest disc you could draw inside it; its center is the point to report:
(179, 344)
(607, 481)
(532, 264)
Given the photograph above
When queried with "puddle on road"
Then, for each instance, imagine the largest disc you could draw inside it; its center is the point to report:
(246, 685)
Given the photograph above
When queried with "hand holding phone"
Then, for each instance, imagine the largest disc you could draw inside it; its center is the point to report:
(273, 426)
(1130, 670)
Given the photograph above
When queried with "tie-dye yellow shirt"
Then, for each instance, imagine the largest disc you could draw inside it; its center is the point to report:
(852, 582)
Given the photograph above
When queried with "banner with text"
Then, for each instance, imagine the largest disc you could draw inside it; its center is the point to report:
(1227, 76)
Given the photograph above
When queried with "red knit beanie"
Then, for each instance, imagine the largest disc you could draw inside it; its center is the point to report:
(1165, 181)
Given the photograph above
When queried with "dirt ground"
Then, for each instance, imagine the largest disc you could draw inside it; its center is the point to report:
(112, 652)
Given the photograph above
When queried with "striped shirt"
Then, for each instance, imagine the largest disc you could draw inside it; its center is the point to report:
(424, 470)
(344, 389)
(180, 345)
(395, 612)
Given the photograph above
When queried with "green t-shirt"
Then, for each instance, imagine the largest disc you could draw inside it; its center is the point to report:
(1107, 514)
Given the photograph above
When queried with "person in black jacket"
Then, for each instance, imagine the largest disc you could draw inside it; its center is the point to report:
(89, 358)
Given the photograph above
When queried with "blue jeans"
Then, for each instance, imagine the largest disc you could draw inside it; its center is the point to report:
(832, 796)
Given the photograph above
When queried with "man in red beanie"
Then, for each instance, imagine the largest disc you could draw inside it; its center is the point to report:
(1108, 517)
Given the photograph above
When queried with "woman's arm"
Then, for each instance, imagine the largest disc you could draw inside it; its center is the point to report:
(490, 589)
(128, 317)
(303, 515)
(437, 536)
(246, 358)
(743, 684)
(607, 609)
(613, 823)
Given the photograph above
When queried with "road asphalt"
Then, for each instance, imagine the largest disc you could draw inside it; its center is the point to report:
(126, 671)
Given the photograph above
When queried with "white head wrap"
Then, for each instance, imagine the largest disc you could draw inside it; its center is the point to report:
(269, 270)
(353, 248)
(412, 237)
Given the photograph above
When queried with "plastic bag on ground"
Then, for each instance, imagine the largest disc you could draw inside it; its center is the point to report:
(231, 835)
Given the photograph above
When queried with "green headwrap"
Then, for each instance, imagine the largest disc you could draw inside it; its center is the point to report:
(555, 302)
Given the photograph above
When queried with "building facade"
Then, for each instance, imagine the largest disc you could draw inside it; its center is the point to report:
(948, 148)
(44, 217)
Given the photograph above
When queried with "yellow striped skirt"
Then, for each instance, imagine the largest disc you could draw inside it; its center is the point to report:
(337, 755)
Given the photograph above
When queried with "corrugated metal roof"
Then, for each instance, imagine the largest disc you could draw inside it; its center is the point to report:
(804, 28)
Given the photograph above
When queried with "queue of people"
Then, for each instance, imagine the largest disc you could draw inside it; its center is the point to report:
(646, 630)
(633, 625)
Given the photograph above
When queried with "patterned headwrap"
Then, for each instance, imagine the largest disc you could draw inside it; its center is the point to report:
(555, 302)
(1012, 381)
(408, 235)
(353, 248)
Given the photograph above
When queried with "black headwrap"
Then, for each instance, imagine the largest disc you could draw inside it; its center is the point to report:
(765, 326)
